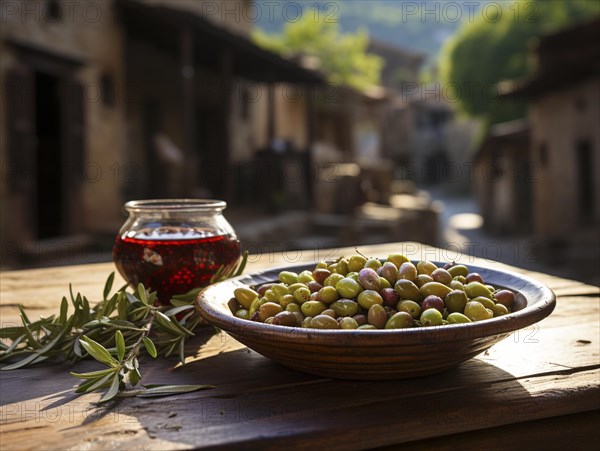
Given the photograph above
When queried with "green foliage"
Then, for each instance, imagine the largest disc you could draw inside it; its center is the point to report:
(493, 49)
(342, 56)
(113, 332)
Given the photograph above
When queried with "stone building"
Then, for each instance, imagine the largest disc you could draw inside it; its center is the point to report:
(106, 101)
(563, 151)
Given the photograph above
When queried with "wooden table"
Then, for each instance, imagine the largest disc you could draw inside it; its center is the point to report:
(540, 387)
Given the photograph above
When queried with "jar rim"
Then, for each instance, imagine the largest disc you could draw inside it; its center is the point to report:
(180, 205)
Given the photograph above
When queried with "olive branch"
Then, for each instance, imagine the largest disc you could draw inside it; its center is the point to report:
(115, 331)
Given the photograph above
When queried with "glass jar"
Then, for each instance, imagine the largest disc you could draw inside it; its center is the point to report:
(174, 245)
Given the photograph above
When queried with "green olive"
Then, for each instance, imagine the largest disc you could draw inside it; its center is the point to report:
(426, 267)
(455, 301)
(487, 303)
(328, 312)
(475, 289)
(384, 283)
(368, 298)
(288, 277)
(328, 295)
(436, 289)
(410, 307)
(280, 290)
(271, 296)
(344, 307)
(348, 288)
(499, 310)
(302, 295)
(342, 267)
(324, 322)
(245, 296)
(287, 299)
(268, 309)
(373, 263)
(397, 259)
(458, 270)
(292, 288)
(312, 308)
(431, 317)
(356, 263)
(476, 311)
(332, 280)
(400, 320)
(405, 289)
(242, 313)
(458, 318)
(306, 322)
(366, 327)
(305, 277)
(407, 271)
(422, 279)
(321, 265)
(456, 285)
(293, 307)
(348, 323)
(377, 316)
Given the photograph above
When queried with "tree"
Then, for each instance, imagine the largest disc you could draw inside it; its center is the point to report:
(343, 57)
(496, 47)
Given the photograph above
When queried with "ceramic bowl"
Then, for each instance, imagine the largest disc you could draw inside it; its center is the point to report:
(376, 354)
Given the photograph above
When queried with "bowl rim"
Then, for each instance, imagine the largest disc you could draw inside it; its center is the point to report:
(216, 312)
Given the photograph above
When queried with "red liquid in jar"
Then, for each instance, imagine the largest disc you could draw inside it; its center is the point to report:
(173, 261)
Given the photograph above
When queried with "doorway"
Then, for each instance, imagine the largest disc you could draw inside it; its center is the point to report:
(49, 203)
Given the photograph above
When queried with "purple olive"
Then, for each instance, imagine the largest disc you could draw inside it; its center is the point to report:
(433, 301)
(474, 277)
(369, 279)
(314, 286)
(321, 274)
(390, 298)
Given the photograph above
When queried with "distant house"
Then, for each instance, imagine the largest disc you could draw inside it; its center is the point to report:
(107, 101)
(560, 151)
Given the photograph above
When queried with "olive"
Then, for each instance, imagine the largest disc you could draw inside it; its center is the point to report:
(322, 265)
(369, 279)
(474, 289)
(426, 267)
(377, 316)
(476, 311)
(389, 272)
(314, 286)
(461, 279)
(321, 274)
(286, 300)
(342, 267)
(433, 301)
(458, 318)
(285, 319)
(407, 271)
(306, 322)
(384, 283)
(400, 320)
(408, 290)
(288, 277)
(263, 288)
(410, 307)
(312, 308)
(456, 300)
(368, 298)
(242, 313)
(245, 296)
(324, 322)
(254, 307)
(373, 263)
(344, 307)
(366, 327)
(271, 296)
(301, 295)
(456, 285)
(332, 280)
(328, 312)
(397, 259)
(299, 317)
(328, 295)
(314, 296)
(435, 288)
(442, 276)
(348, 288)
(293, 308)
(422, 279)
(487, 303)
(280, 290)
(348, 323)
(390, 298)
(499, 310)
(504, 297)
(356, 263)
(353, 276)
(431, 317)
(458, 270)
(269, 320)
(292, 288)
(473, 277)
(305, 276)
(269, 309)
(360, 319)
